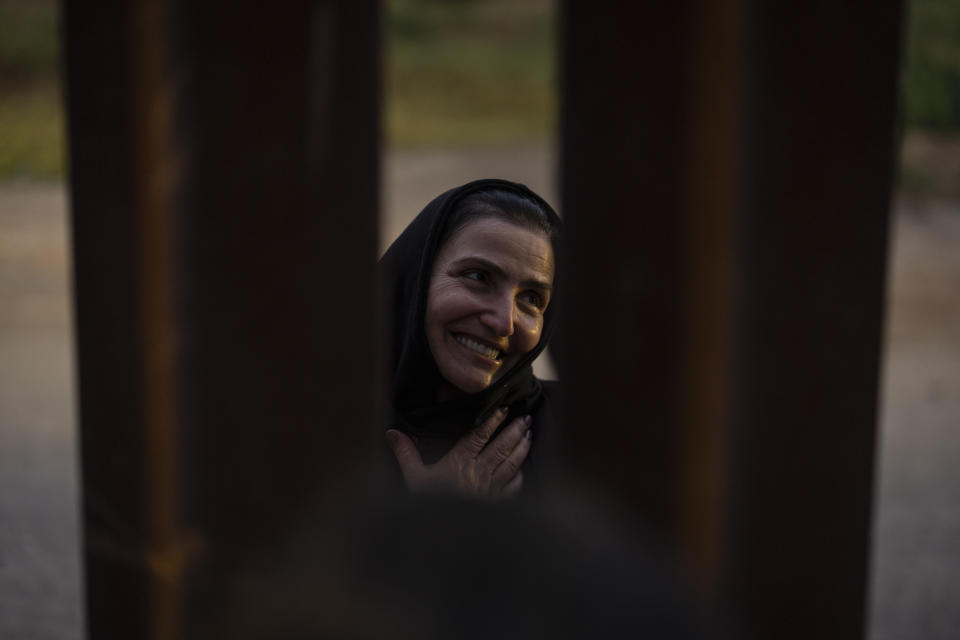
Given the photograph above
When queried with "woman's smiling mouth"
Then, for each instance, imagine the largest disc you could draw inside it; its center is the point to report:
(473, 345)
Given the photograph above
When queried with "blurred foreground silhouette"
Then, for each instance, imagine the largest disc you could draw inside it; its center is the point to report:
(433, 568)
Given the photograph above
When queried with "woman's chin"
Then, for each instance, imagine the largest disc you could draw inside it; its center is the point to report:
(459, 386)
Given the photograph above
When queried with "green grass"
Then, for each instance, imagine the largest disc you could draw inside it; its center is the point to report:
(31, 131)
(457, 72)
(31, 117)
(469, 72)
(28, 43)
(930, 82)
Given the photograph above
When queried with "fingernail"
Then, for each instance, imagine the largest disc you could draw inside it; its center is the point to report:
(391, 436)
(527, 420)
(504, 410)
(528, 434)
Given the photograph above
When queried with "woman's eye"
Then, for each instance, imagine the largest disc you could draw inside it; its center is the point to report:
(476, 276)
(532, 299)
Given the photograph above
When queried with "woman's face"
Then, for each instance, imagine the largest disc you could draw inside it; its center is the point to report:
(489, 288)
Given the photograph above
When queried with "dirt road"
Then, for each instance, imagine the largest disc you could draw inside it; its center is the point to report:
(916, 555)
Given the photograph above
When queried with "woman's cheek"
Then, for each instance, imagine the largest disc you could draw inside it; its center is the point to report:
(531, 333)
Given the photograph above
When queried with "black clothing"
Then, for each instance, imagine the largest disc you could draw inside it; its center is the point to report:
(405, 271)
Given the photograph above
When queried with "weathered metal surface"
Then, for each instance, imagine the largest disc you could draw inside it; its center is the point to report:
(224, 171)
(726, 177)
(816, 186)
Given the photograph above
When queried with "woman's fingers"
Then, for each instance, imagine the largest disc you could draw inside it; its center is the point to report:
(476, 465)
(510, 467)
(476, 440)
(503, 445)
(411, 465)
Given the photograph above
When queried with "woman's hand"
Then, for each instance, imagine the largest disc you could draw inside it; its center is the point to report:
(472, 467)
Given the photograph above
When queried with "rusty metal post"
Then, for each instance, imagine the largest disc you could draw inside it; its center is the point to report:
(224, 172)
(650, 122)
(621, 148)
(726, 176)
(816, 188)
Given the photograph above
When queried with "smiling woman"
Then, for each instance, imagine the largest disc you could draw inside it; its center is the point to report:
(470, 287)
(489, 288)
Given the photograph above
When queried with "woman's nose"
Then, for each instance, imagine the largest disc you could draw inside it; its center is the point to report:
(500, 317)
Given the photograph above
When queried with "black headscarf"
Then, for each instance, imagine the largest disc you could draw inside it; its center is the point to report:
(405, 271)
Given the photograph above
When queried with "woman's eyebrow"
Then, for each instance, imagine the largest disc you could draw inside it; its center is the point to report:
(537, 284)
(495, 269)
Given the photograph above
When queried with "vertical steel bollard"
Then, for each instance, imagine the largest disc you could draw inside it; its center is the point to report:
(224, 175)
(726, 176)
(816, 187)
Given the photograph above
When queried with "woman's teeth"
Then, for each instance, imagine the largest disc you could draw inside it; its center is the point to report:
(473, 345)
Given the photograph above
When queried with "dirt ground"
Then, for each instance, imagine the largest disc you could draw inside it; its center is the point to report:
(916, 554)
(915, 594)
